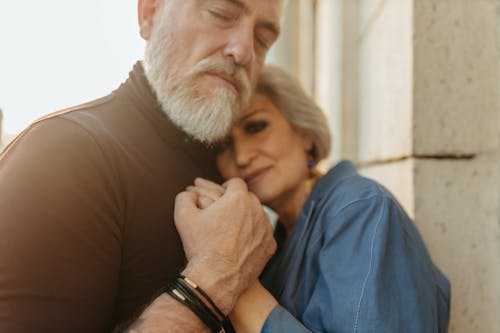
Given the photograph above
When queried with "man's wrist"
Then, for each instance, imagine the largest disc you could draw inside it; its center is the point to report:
(165, 313)
(223, 287)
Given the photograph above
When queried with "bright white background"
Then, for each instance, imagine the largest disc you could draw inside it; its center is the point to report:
(58, 53)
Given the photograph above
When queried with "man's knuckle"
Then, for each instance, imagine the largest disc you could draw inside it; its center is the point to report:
(179, 196)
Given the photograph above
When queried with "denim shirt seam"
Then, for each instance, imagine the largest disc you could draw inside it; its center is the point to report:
(370, 266)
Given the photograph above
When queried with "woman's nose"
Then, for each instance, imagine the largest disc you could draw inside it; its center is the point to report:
(244, 153)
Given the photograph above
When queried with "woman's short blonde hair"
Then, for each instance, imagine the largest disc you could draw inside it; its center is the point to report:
(287, 94)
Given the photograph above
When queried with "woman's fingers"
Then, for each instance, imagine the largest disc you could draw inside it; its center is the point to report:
(207, 192)
(204, 202)
(209, 185)
(202, 191)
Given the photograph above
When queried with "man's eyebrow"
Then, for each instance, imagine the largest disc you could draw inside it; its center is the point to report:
(238, 3)
(271, 26)
(268, 25)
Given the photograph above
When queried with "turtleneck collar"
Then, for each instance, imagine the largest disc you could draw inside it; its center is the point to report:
(137, 90)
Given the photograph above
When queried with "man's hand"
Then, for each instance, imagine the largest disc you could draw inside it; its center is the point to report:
(226, 237)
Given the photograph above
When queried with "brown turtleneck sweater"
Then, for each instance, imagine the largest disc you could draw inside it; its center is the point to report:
(87, 236)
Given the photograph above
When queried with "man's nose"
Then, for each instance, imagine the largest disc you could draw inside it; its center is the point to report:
(241, 45)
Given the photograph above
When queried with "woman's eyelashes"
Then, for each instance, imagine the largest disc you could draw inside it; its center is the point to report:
(255, 126)
(249, 128)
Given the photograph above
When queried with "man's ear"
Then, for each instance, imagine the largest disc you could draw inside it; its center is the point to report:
(146, 11)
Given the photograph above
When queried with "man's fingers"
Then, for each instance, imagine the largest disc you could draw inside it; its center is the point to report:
(185, 202)
(186, 199)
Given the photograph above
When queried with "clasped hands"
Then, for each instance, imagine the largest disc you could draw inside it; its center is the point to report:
(224, 229)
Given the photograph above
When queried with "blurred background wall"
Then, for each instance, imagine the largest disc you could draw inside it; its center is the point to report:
(59, 53)
(1, 129)
(412, 91)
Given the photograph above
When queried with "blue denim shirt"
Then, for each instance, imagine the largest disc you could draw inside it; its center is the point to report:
(355, 262)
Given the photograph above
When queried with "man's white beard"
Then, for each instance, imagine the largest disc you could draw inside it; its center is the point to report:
(208, 118)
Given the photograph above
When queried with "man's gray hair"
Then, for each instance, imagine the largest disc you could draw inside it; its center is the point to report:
(287, 94)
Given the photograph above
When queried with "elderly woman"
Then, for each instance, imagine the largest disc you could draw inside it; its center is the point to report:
(349, 258)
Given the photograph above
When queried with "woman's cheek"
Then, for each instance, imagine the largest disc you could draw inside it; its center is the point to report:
(226, 166)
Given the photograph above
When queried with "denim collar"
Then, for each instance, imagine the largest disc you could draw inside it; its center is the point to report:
(332, 178)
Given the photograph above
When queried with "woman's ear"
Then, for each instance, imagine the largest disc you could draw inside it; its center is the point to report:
(146, 12)
(307, 143)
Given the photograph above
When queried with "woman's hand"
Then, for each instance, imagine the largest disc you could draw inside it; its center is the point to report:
(252, 309)
(208, 192)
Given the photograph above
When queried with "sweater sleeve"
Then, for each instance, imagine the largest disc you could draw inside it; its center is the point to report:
(374, 275)
(59, 232)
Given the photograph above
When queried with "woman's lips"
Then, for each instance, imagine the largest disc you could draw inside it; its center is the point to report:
(255, 175)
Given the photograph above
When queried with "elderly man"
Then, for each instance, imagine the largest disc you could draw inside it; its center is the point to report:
(87, 234)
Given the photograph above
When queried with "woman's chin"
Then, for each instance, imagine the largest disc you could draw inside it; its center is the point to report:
(265, 198)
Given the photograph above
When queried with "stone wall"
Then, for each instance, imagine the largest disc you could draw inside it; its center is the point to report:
(429, 111)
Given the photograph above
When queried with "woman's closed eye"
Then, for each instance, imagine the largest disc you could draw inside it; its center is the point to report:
(255, 126)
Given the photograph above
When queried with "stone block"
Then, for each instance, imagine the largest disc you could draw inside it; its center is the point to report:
(385, 80)
(456, 206)
(456, 77)
(457, 209)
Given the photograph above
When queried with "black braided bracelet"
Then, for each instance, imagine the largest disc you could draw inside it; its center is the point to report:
(189, 294)
(212, 325)
(224, 320)
(202, 306)
(219, 315)
(202, 293)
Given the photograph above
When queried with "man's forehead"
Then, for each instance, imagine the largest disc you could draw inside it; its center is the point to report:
(269, 12)
(257, 2)
(271, 7)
